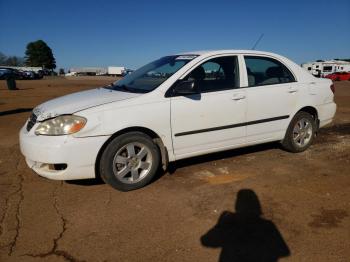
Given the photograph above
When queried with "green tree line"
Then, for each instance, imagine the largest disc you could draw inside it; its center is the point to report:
(11, 60)
(37, 53)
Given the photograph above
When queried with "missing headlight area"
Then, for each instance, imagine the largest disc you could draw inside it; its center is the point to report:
(31, 121)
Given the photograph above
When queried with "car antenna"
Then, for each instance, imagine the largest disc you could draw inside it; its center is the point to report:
(257, 41)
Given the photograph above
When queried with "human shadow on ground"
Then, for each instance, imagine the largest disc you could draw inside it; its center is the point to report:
(245, 235)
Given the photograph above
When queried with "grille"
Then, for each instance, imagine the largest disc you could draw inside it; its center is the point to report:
(31, 122)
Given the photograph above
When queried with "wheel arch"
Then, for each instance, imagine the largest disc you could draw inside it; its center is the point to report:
(312, 111)
(155, 137)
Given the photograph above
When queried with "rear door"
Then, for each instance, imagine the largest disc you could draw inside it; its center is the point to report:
(271, 93)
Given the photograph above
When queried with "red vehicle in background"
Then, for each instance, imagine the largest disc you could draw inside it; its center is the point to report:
(339, 76)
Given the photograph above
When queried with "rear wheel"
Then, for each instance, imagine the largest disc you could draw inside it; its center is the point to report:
(300, 133)
(130, 161)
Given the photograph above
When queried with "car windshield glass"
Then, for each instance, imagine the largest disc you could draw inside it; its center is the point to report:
(152, 75)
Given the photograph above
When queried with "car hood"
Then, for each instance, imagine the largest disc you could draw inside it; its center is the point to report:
(75, 102)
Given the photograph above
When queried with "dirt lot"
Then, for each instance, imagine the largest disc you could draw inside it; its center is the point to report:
(204, 209)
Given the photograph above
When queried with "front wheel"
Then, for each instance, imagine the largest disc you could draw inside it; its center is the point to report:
(130, 161)
(300, 133)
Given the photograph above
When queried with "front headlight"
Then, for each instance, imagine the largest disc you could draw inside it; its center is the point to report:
(61, 125)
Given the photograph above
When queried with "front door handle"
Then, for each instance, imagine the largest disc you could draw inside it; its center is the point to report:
(238, 96)
(292, 90)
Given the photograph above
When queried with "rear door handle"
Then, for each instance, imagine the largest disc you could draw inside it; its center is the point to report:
(292, 90)
(238, 96)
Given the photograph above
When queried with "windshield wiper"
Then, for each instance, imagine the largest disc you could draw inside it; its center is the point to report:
(125, 88)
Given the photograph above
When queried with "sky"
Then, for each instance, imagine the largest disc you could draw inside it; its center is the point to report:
(132, 33)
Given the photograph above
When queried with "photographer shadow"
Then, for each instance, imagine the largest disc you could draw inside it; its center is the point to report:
(245, 235)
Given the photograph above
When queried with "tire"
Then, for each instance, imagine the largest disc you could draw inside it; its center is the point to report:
(300, 136)
(130, 161)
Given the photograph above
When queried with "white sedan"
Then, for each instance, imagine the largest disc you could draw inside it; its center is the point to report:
(176, 107)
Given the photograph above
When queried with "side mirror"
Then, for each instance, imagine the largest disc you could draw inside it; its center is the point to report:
(187, 87)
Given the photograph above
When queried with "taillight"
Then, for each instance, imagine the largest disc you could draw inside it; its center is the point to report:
(332, 88)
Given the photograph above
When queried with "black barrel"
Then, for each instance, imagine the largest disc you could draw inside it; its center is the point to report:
(11, 82)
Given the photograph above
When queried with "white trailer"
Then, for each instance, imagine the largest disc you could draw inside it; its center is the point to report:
(116, 70)
(323, 68)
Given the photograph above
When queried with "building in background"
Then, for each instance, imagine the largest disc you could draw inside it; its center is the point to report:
(323, 68)
(111, 71)
(88, 71)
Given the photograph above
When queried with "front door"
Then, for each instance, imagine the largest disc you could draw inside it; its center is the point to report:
(214, 119)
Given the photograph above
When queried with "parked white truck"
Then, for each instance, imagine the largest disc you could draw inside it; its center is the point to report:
(116, 70)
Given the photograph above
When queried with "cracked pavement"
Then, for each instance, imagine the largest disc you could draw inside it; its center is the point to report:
(304, 198)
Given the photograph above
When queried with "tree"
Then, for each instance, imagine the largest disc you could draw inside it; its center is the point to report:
(61, 71)
(2, 59)
(38, 53)
(14, 61)
(11, 60)
(343, 59)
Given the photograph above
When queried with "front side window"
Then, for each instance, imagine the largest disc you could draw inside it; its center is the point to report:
(152, 75)
(266, 71)
(216, 74)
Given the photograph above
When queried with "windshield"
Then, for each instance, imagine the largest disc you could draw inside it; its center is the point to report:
(152, 75)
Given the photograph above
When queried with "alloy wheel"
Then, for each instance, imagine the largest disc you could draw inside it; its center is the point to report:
(132, 163)
(302, 132)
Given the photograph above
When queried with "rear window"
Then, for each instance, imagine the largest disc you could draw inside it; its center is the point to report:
(263, 71)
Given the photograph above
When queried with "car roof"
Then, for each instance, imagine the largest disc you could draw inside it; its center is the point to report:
(226, 51)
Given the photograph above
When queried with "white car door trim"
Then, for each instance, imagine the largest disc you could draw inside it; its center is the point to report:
(232, 126)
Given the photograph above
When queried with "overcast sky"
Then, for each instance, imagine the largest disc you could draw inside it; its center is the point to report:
(131, 33)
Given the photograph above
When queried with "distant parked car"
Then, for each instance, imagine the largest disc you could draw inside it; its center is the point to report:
(31, 75)
(339, 76)
(71, 74)
(203, 102)
(127, 72)
(39, 74)
(28, 75)
(10, 72)
(3, 73)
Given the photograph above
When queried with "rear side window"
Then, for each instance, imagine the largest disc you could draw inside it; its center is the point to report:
(263, 71)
